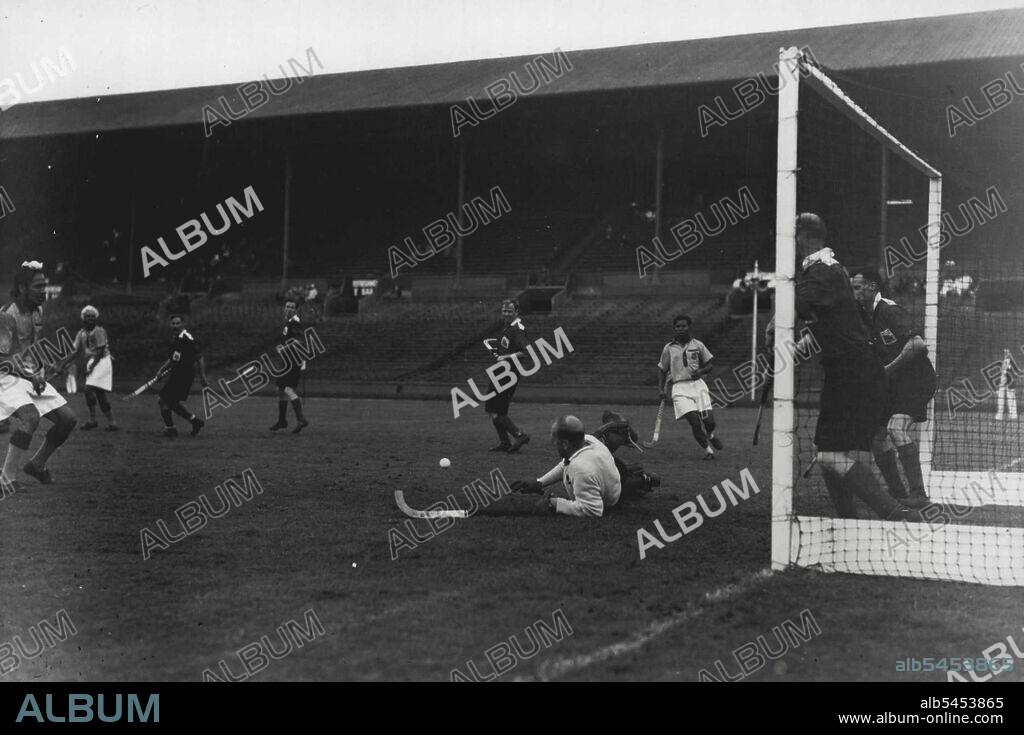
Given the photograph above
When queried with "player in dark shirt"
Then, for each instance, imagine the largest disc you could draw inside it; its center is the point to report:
(904, 358)
(511, 344)
(853, 396)
(288, 382)
(182, 358)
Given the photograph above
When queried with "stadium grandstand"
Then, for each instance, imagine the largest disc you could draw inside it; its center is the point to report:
(608, 153)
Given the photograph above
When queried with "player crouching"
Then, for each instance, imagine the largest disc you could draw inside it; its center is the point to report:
(592, 479)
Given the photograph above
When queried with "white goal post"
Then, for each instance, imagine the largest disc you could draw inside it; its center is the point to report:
(986, 554)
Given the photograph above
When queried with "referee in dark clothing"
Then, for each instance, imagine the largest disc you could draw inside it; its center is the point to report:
(853, 397)
(903, 355)
(511, 347)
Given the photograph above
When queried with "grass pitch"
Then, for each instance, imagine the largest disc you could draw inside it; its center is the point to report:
(327, 503)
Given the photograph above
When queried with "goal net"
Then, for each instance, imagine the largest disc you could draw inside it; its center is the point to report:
(882, 207)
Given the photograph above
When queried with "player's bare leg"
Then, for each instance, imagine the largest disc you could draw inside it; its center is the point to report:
(699, 433)
(708, 419)
(21, 440)
(64, 422)
(899, 429)
(108, 414)
(90, 403)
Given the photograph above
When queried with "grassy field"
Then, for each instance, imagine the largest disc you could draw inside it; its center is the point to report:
(317, 538)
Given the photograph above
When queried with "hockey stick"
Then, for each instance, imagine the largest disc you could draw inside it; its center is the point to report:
(413, 513)
(142, 388)
(657, 426)
(768, 384)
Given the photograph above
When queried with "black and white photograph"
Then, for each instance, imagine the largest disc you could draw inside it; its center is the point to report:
(509, 341)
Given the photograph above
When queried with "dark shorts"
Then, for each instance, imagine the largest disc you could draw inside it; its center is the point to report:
(500, 403)
(853, 404)
(290, 379)
(177, 387)
(910, 392)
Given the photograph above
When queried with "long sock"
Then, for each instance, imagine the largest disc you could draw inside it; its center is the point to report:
(860, 481)
(886, 462)
(43, 453)
(166, 414)
(698, 432)
(92, 414)
(842, 498)
(297, 407)
(910, 458)
(510, 427)
(282, 412)
(109, 416)
(183, 412)
(499, 426)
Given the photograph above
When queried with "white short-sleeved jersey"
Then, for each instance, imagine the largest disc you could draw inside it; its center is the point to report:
(682, 361)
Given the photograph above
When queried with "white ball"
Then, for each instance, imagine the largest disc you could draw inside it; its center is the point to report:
(353, 565)
(446, 462)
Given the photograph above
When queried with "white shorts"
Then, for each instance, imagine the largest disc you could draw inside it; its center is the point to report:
(16, 392)
(690, 395)
(102, 375)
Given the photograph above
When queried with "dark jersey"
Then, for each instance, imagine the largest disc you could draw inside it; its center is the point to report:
(824, 299)
(891, 327)
(183, 354)
(513, 339)
(292, 330)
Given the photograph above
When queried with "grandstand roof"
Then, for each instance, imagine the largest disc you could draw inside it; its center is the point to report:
(913, 42)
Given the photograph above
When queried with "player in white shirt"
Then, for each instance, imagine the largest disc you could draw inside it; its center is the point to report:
(684, 361)
(588, 473)
(93, 346)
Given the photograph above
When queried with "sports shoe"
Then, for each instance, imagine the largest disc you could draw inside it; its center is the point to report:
(112, 427)
(170, 432)
(503, 447)
(518, 442)
(89, 425)
(300, 426)
(197, 425)
(279, 425)
(40, 473)
(715, 441)
(709, 454)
